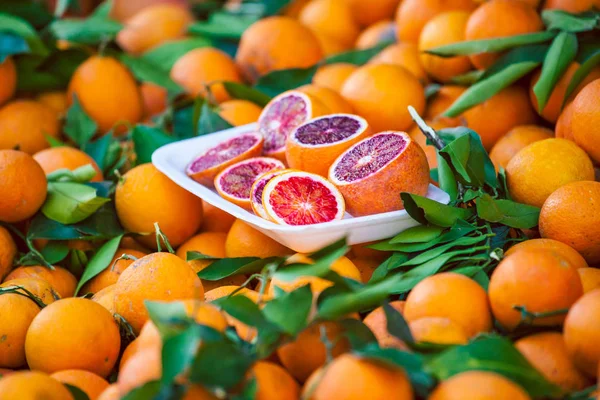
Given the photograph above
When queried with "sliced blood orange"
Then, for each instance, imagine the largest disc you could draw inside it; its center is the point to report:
(282, 115)
(234, 182)
(314, 145)
(302, 198)
(211, 161)
(372, 173)
(257, 190)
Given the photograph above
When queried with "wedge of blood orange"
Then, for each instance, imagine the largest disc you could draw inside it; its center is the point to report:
(257, 190)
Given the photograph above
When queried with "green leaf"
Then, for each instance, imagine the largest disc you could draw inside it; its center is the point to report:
(507, 212)
(560, 55)
(145, 71)
(82, 174)
(146, 139)
(69, 202)
(186, 118)
(178, 353)
(55, 251)
(357, 57)
(290, 311)
(210, 121)
(438, 251)
(35, 13)
(396, 324)
(563, 21)
(494, 354)
(418, 234)
(226, 267)
(277, 82)
(244, 92)
(77, 393)
(446, 178)
(242, 308)
(54, 72)
(148, 390)
(223, 25)
(468, 78)
(11, 44)
(358, 334)
(78, 125)
(19, 27)
(490, 45)
(230, 369)
(99, 262)
(170, 318)
(582, 72)
(427, 211)
(98, 150)
(167, 54)
(91, 31)
(532, 52)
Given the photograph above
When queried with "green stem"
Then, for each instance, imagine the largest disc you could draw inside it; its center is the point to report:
(161, 236)
(16, 289)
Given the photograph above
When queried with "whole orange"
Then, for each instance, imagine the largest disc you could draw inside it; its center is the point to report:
(65, 157)
(328, 97)
(404, 55)
(585, 119)
(329, 46)
(8, 80)
(590, 278)
(24, 125)
(56, 100)
(110, 275)
(122, 10)
(90, 383)
(333, 75)
(274, 382)
(36, 286)
(376, 321)
(563, 128)
(582, 332)
(239, 112)
(106, 297)
(142, 367)
(571, 6)
(332, 19)
(60, 278)
(437, 330)
(33, 385)
(516, 140)
(215, 219)
(478, 385)
(154, 99)
(245, 241)
(564, 250)
(367, 12)
(374, 34)
(8, 251)
(13, 327)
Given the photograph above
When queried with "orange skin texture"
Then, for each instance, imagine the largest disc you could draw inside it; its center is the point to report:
(585, 119)
(110, 393)
(239, 112)
(329, 46)
(25, 124)
(379, 193)
(508, 108)
(73, 333)
(8, 251)
(350, 377)
(590, 278)
(159, 277)
(548, 354)
(366, 267)
(370, 91)
(265, 47)
(331, 18)
(13, 327)
(90, 383)
(516, 140)
(376, 321)
(148, 196)
(154, 99)
(333, 76)
(367, 13)
(404, 55)
(564, 250)
(33, 385)
(39, 287)
(215, 219)
(274, 382)
(478, 385)
(571, 6)
(153, 26)
(60, 279)
(111, 274)
(307, 352)
(570, 215)
(376, 33)
(105, 297)
(581, 333)
(445, 28)
(544, 166)
(563, 128)
(331, 99)
(107, 92)
(8, 80)
(437, 330)
(122, 10)
(203, 67)
(539, 280)
(500, 18)
(142, 367)
(56, 158)
(412, 15)
(469, 307)
(55, 100)
(245, 241)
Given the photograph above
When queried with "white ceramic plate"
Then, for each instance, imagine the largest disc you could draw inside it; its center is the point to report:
(173, 158)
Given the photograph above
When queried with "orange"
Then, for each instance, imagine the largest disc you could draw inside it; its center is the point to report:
(540, 280)
(329, 46)
(154, 99)
(412, 15)
(60, 279)
(367, 12)
(129, 243)
(146, 196)
(37, 286)
(590, 278)
(224, 291)
(579, 229)
(8, 80)
(544, 166)
(55, 100)
(582, 332)
(156, 277)
(585, 119)
(331, 99)
(420, 138)
(334, 75)
(205, 314)
(372, 92)
(375, 34)
(445, 28)
(245, 241)
(508, 108)
(200, 70)
(153, 26)
(73, 333)
(142, 367)
(563, 128)
(478, 385)
(404, 55)
(564, 250)
(113, 270)
(265, 46)
(105, 297)
(65, 157)
(332, 19)
(107, 92)
(351, 377)
(8, 251)
(122, 10)
(376, 321)
(24, 125)
(366, 267)
(18, 313)
(110, 393)
(548, 354)
(273, 382)
(571, 6)
(469, 307)
(307, 352)
(90, 383)
(239, 112)
(215, 219)
(442, 100)
(25, 385)
(437, 330)
(500, 18)
(516, 140)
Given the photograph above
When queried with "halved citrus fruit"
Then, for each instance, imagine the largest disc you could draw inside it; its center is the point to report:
(282, 115)
(257, 190)
(234, 182)
(302, 198)
(314, 145)
(372, 173)
(211, 161)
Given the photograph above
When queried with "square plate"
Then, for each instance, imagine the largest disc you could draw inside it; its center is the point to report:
(172, 160)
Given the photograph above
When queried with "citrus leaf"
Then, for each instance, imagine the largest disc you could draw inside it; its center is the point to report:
(78, 125)
(11, 44)
(178, 353)
(582, 72)
(560, 55)
(148, 390)
(244, 92)
(565, 22)
(357, 57)
(145, 71)
(277, 82)
(320, 267)
(396, 324)
(82, 174)
(210, 121)
(99, 262)
(91, 31)
(533, 52)
(35, 13)
(98, 149)
(77, 393)
(427, 211)
(195, 255)
(290, 311)
(69, 203)
(468, 78)
(438, 251)
(242, 308)
(54, 72)
(55, 251)
(167, 54)
(228, 372)
(223, 25)
(507, 212)
(446, 178)
(418, 234)
(170, 317)
(226, 267)
(20, 27)
(146, 139)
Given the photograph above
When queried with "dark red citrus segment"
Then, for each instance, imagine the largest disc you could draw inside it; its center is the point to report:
(326, 130)
(368, 156)
(238, 179)
(224, 151)
(280, 118)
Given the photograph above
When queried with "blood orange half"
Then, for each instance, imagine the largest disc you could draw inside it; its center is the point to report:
(210, 162)
(234, 182)
(314, 145)
(372, 173)
(257, 190)
(282, 115)
(302, 198)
